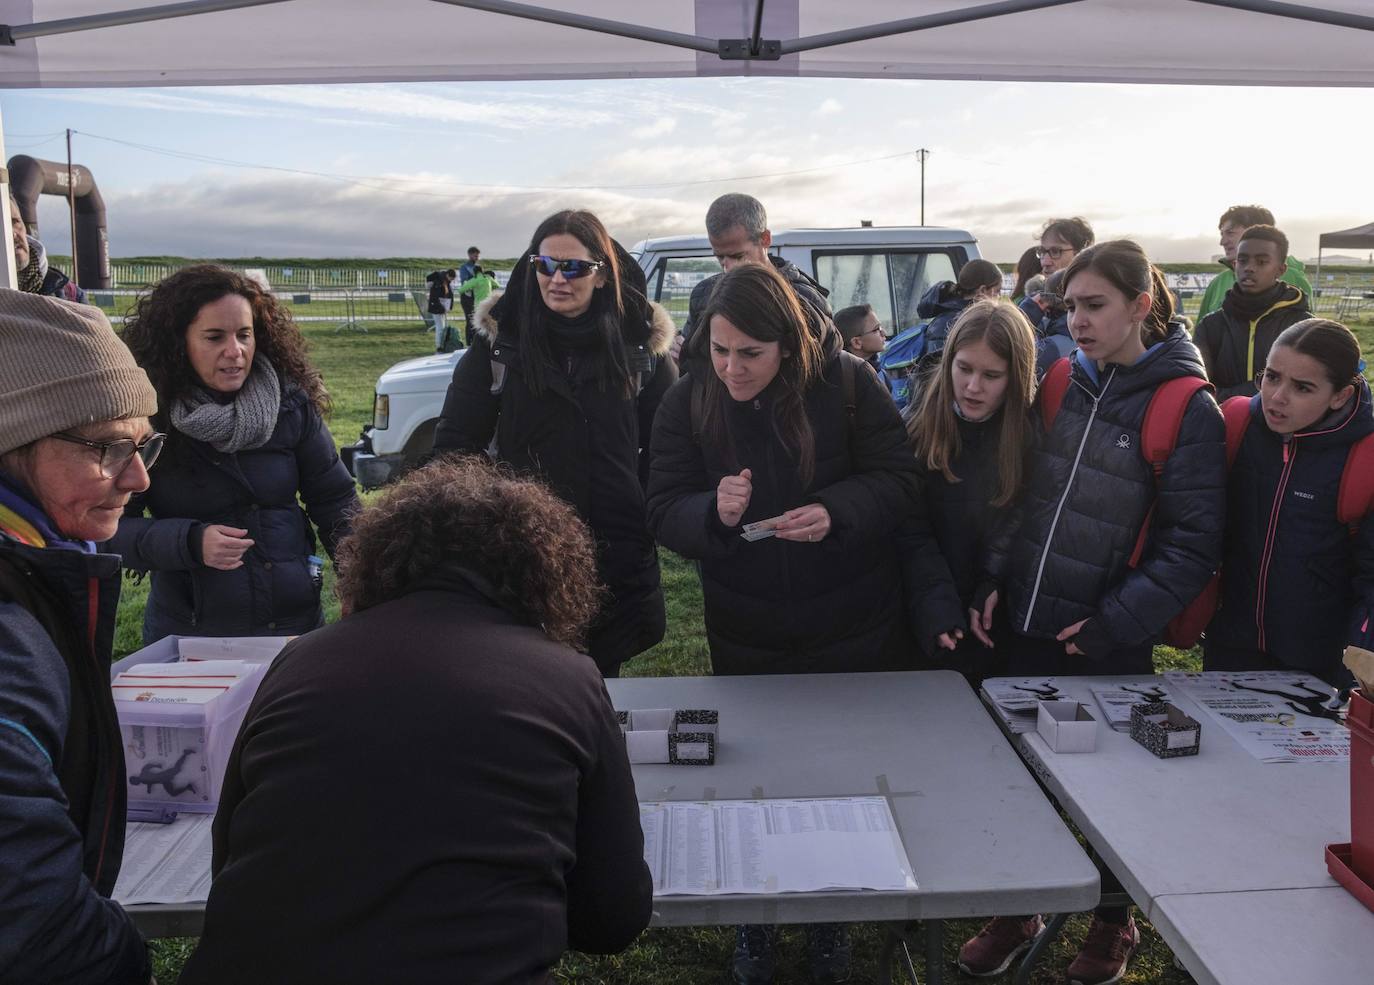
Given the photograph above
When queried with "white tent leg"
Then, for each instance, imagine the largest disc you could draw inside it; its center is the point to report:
(1317, 284)
(11, 278)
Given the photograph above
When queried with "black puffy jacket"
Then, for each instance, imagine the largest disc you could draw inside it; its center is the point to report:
(780, 607)
(1296, 585)
(1062, 556)
(587, 442)
(193, 485)
(941, 305)
(62, 780)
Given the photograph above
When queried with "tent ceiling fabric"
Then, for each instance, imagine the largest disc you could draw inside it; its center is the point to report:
(1359, 238)
(1159, 41)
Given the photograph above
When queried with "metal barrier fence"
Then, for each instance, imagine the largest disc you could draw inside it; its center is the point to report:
(345, 307)
(138, 275)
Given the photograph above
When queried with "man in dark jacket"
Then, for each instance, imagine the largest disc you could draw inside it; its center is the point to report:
(434, 789)
(1235, 340)
(74, 445)
(737, 227)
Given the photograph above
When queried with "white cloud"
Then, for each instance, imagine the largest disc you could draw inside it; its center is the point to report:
(659, 128)
(829, 107)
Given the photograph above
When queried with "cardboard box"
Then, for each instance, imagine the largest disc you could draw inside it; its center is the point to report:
(1164, 730)
(676, 736)
(1066, 726)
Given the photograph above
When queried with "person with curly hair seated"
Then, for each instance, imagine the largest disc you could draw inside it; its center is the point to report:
(435, 788)
(226, 539)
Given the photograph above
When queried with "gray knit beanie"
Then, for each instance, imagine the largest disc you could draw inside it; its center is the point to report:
(61, 366)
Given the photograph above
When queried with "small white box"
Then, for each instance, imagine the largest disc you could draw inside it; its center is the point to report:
(1067, 726)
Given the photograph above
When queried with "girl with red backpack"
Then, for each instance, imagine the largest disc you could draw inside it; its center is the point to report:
(1298, 567)
(1085, 591)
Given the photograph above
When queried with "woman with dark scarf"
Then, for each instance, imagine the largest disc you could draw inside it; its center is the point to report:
(562, 379)
(230, 548)
(36, 276)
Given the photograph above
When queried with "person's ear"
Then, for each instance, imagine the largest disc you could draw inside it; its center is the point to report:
(1342, 396)
(766, 239)
(1140, 309)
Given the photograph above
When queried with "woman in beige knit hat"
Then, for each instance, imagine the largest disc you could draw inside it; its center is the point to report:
(75, 444)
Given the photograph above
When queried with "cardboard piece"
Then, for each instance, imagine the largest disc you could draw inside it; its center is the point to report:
(1164, 730)
(674, 736)
(1361, 664)
(1067, 726)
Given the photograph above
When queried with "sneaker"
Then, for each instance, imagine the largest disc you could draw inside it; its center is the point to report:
(827, 947)
(1106, 952)
(1001, 941)
(753, 962)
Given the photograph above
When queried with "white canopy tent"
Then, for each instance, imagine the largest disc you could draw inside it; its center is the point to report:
(101, 43)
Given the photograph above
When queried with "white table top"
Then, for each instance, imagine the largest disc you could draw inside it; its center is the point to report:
(980, 835)
(982, 838)
(1274, 937)
(1220, 821)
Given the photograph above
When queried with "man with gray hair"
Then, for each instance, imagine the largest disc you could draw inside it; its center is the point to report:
(737, 227)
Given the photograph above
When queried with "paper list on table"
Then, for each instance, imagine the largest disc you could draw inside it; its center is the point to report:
(166, 863)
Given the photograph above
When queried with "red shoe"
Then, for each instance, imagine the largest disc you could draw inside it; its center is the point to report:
(1106, 952)
(1001, 941)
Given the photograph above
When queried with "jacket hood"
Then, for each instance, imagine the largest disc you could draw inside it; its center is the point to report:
(1169, 359)
(940, 299)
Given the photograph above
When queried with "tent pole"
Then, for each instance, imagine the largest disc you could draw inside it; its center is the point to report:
(586, 23)
(11, 276)
(1315, 15)
(1317, 285)
(909, 25)
(756, 40)
(10, 33)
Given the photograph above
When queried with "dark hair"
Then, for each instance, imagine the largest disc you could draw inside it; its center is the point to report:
(1330, 343)
(758, 301)
(1124, 265)
(1246, 216)
(534, 553)
(934, 429)
(977, 274)
(451, 273)
(1075, 231)
(850, 321)
(1269, 234)
(1026, 268)
(472, 250)
(156, 333)
(608, 302)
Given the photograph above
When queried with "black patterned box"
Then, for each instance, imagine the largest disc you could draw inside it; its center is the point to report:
(1164, 730)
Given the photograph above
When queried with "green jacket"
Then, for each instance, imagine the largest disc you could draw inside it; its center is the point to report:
(1295, 274)
(480, 287)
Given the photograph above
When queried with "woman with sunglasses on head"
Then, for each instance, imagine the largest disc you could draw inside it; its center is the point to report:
(1063, 564)
(1297, 577)
(565, 372)
(75, 444)
(230, 549)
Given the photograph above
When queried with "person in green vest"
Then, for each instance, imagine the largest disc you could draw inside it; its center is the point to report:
(1235, 221)
(479, 286)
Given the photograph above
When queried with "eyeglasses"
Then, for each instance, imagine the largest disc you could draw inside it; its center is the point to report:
(116, 455)
(1053, 252)
(572, 269)
(875, 330)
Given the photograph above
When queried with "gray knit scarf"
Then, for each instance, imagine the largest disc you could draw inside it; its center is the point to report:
(247, 421)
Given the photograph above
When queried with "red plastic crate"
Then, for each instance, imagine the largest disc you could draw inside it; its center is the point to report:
(1361, 722)
(1338, 864)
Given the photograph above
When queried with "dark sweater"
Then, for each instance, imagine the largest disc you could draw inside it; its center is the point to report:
(427, 791)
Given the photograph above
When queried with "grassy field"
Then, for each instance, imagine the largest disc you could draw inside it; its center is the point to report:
(351, 363)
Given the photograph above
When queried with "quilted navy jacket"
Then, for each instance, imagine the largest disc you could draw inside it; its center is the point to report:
(1062, 556)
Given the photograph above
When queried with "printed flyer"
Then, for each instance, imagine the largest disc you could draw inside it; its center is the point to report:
(1276, 716)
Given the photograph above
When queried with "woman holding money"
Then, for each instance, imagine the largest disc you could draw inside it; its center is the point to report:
(787, 473)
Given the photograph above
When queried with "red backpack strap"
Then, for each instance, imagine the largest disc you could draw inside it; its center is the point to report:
(1159, 436)
(1355, 500)
(1052, 390)
(1236, 411)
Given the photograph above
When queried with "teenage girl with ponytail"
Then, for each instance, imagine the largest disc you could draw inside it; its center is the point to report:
(1297, 579)
(1062, 566)
(971, 435)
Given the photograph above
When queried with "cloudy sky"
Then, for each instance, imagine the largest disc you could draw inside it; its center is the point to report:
(403, 170)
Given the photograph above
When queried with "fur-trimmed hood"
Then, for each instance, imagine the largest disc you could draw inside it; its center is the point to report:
(658, 332)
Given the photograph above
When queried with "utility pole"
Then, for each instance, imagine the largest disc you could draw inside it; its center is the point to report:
(921, 156)
(72, 212)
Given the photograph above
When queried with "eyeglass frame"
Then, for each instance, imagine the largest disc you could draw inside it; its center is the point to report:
(589, 267)
(104, 448)
(1053, 252)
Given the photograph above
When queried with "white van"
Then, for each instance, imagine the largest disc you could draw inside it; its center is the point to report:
(889, 267)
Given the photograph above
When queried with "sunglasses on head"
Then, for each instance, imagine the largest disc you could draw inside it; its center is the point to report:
(571, 269)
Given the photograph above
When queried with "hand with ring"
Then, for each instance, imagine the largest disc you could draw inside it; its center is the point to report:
(808, 523)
